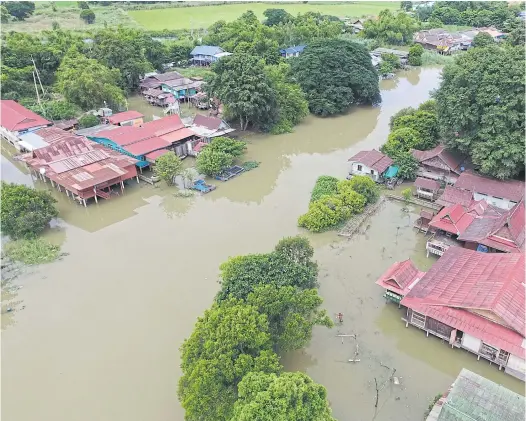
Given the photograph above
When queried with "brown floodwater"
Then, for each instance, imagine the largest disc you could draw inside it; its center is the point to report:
(98, 337)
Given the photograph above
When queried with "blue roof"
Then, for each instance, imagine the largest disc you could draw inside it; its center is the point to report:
(206, 50)
(391, 171)
(292, 50)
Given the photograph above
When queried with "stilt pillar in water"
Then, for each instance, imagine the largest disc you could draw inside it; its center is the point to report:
(122, 186)
(137, 177)
(96, 200)
(52, 182)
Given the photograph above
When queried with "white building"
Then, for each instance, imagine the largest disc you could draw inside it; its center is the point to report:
(371, 163)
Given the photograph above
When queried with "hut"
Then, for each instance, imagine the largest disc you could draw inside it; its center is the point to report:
(426, 188)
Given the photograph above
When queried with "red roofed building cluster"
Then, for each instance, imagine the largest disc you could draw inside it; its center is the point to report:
(472, 300)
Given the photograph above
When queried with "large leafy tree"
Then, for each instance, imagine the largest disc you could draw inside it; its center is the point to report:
(401, 140)
(290, 396)
(228, 342)
(20, 10)
(424, 123)
(291, 313)
(391, 28)
(123, 49)
(291, 102)
(88, 83)
(26, 212)
(277, 16)
(363, 185)
(480, 106)
(335, 74)
(168, 166)
(240, 82)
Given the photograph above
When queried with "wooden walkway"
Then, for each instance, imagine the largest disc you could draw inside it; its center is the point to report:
(356, 221)
(415, 201)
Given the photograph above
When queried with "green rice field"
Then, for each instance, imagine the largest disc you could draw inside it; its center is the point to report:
(204, 16)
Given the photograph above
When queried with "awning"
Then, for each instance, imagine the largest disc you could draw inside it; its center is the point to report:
(391, 171)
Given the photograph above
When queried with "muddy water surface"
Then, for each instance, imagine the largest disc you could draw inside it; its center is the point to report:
(99, 335)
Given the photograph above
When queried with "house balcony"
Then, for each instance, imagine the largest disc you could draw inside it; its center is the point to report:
(425, 194)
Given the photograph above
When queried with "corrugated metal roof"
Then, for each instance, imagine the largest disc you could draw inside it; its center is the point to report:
(473, 397)
(426, 183)
(125, 116)
(373, 159)
(206, 50)
(178, 135)
(147, 145)
(453, 195)
(449, 158)
(453, 219)
(507, 189)
(400, 277)
(467, 279)
(15, 117)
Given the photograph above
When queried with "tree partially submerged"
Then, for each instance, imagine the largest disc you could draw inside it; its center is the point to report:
(26, 212)
(290, 396)
(480, 106)
(168, 166)
(349, 79)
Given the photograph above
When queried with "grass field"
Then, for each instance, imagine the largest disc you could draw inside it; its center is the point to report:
(204, 16)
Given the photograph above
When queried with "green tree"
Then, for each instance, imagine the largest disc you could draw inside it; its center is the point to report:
(353, 201)
(291, 397)
(20, 10)
(83, 4)
(415, 55)
(291, 314)
(296, 249)
(400, 140)
(365, 186)
(291, 102)
(324, 213)
(407, 165)
(211, 162)
(4, 14)
(325, 185)
(241, 274)
(407, 194)
(482, 39)
(398, 114)
(123, 49)
(26, 212)
(406, 5)
(277, 16)
(168, 166)
(88, 120)
(233, 147)
(480, 106)
(423, 13)
(392, 59)
(88, 83)
(391, 28)
(241, 84)
(228, 342)
(425, 124)
(430, 106)
(56, 109)
(350, 79)
(447, 15)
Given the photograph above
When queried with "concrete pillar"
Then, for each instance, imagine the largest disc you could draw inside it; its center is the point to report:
(84, 201)
(96, 200)
(122, 186)
(137, 177)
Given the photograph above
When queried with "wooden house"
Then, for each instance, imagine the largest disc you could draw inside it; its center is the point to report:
(474, 301)
(158, 97)
(182, 89)
(293, 51)
(399, 279)
(439, 164)
(154, 81)
(205, 55)
(426, 188)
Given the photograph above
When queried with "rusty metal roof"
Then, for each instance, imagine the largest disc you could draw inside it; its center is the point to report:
(452, 159)
(125, 116)
(453, 195)
(507, 189)
(426, 183)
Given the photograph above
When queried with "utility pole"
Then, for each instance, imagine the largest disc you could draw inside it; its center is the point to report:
(38, 95)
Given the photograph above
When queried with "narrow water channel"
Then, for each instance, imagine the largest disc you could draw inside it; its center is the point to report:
(98, 337)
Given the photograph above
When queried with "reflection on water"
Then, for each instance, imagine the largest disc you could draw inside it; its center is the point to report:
(107, 321)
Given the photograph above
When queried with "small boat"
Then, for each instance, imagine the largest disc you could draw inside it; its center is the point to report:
(202, 187)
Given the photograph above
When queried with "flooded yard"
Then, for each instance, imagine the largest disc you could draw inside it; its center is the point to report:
(99, 335)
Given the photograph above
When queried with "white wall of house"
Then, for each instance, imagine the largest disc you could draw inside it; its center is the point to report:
(495, 201)
(471, 343)
(360, 169)
(516, 367)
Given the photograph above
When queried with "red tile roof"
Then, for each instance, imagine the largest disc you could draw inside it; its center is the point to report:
(449, 158)
(125, 116)
(467, 279)
(400, 277)
(147, 145)
(211, 123)
(14, 117)
(426, 183)
(453, 219)
(504, 231)
(373, 159)
(507, 189)
(152, 156)
(453, 195)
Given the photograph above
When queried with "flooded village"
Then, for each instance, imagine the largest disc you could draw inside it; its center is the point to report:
(422, 298)
(108, 320)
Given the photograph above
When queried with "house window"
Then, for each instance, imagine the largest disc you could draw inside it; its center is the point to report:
(359, 167)
(418, 319)
(372, 172)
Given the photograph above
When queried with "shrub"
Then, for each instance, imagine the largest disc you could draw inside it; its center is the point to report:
(353, 202)
(407, 194)
(26, 212)
(324, 213)
(363, 185)
(88, 16)
(228, 145)
(325, 186)
(83, 4)
(168, 166)
(88, 120)
(415, 55)
(211, 162)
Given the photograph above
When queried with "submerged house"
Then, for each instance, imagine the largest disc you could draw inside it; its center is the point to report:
(501, 193)
(16, 120)
(399, 279)
(167, 133)
(293, 51)
(127, 118)
(439, 164)
(205, 55)
(473, 397)
(426, 188)
(474, 301)
(154, 81)
(83, 169)
(158, 97)
(181, 89)
(373, 164)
